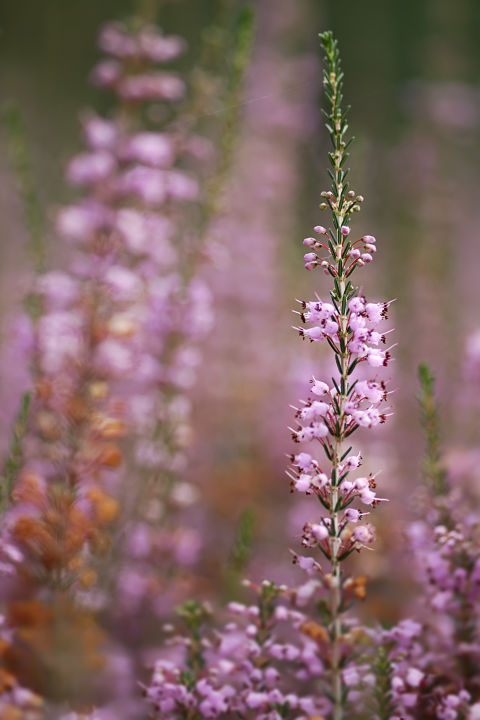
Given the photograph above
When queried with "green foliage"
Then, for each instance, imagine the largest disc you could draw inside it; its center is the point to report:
(15, 455)
(238, 54)
(434, 471)
(239, 555)
(22, 167)
(195, 615)
(242, 547)
(337, 127)
(382, 701)
(269, 593)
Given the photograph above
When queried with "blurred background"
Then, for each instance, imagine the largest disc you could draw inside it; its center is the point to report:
(412, 77)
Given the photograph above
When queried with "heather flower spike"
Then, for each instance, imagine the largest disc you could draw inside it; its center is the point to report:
(430, 668)
(352, 326)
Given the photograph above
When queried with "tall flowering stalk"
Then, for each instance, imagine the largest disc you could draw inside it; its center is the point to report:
(112, 350)
(347, 323)
(98, 336)
(157, 541)
(430, 661)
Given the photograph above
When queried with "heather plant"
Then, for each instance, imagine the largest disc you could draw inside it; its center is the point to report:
(433, 658)
(95, 344)
(96, 545)
(194, 686)
(16, 331)
(112, 354)
(158, 542)
(426, 665)
(335, 410)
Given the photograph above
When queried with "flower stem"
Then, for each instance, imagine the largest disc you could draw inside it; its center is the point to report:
(341, 204)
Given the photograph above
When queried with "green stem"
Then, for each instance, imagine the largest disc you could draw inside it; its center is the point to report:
(341, 204)
(434, 470)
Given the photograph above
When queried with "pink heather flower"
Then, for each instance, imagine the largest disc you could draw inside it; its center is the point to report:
(115, 358)
(345, 230)
(320, 430)
(414, 677)
(441, 600)
(376, 358)
(358, 347)
(79, 222)
(60, 340)
(181, 186)
(316, 410)
(320, 230)
(124, 284)
(353, 462)
(304, 461)
(149, 148)
(256, 699)
(148, 184)
(115, 41)
(308, 564)
(148, 44)
(319, 481)
(100, 134)
(318, 311)
(159, 48)
(107, 73)
(315, 334)
(90, 168)
(367, 496)
(303, 483)
(361, 483)
(319, 532)
(58, 288)
(330, 327)
(351, 676)
(319, 387)
(147, 233)
(375, 312)
(155, 86)
(364, 534)
(357, 305)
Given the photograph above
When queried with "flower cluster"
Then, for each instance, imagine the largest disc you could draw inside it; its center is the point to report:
(104, 346)
(433, 659)
(256, 666)
(93, 548)
(347, 322)
(444, 651)
(420, 684)
(163, 310)
(334, 411)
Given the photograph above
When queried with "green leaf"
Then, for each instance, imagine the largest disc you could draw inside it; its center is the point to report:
(14, 459)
